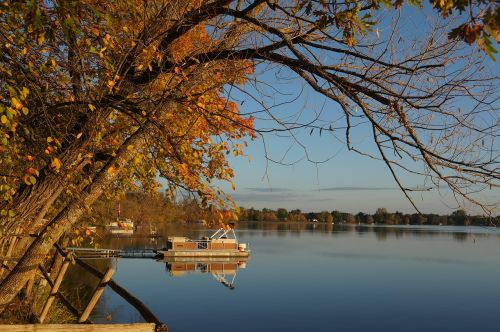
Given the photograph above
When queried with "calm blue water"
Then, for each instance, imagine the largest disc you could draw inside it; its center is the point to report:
(328, 278)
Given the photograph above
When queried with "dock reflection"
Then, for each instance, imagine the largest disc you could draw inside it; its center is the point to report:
(222, 269)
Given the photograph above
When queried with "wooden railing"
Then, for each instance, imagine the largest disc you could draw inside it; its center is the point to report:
(105, 281)
(83, 317)
(153, 323)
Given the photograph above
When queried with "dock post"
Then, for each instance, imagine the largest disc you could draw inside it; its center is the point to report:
(54, 291)
(97, 294)
(29, 286)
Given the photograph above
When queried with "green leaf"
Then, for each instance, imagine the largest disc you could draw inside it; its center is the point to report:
(38, 18)
(10, 113)
(489, 48)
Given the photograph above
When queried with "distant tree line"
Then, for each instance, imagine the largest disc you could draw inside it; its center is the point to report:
(158, 209)
(381, 216)
(144, 208)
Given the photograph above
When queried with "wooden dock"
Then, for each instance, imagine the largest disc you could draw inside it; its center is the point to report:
(153, 323)
(135, 327)
(89, 253)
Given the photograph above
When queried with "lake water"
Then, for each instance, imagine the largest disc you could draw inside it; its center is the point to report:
(324, 278)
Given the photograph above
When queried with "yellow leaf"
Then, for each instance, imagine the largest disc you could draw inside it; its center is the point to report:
(4, 119)
(49, 139)
(24, 92)
(91, 107)
(55, 164)
(17, 104)
(235, 217)
(41, 39)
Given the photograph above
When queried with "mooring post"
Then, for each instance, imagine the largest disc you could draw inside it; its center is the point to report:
(97, 294)
(61, 297)
(29, 286)
(54, 291)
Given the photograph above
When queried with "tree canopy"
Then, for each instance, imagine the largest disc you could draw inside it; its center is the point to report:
(104, 96)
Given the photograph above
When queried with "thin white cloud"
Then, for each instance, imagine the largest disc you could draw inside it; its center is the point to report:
(269, 190)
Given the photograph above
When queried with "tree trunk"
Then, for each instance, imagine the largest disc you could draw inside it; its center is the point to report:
(32, 202)
(63, 222)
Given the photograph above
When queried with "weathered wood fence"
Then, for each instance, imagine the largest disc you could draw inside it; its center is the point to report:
(135, 327)
(106, 280)
(153, 323)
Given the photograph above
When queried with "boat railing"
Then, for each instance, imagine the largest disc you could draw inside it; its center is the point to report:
(202, 244)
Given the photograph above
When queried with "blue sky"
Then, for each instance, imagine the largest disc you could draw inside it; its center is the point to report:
(342, 180)
(346, 181)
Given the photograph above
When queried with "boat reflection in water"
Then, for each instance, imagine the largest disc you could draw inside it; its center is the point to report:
(223, 269)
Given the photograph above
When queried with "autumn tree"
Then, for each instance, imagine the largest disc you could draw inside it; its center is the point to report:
(282, 214)
(325, 216)
(105, 96)
(459, 217)
(78, 121)
(297, 216)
